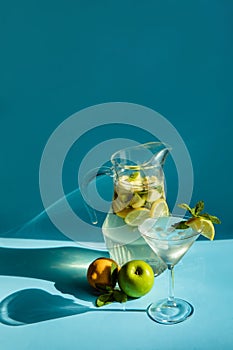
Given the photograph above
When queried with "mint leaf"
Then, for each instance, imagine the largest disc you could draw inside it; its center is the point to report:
(193, 211)
(198, 208)
(214, 219)
(104, 299)
(99, 302)
(197, 212)
(133, 176)
(180, 225)
(186, 207)
(119, 296)
(114, 295)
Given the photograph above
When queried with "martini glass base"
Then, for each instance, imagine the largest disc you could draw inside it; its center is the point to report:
(170, 312)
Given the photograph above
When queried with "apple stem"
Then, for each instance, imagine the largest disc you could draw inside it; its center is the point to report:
(138, 271)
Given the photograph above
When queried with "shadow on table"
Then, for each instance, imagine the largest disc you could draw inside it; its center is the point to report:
(36, 305)
(30, 306)
(65, 266)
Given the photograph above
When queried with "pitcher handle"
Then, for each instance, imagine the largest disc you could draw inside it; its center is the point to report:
(88, 178)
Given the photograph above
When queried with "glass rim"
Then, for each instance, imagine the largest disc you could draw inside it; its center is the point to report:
(193, 233)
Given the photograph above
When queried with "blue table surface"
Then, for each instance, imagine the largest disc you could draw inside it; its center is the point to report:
(47, 304)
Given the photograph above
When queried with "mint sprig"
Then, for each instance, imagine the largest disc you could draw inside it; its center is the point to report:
(104, 299)
(110, 297)
(193, 211)
(196, 211)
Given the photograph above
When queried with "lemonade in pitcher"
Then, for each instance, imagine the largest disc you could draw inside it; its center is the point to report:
(138, 194)
(136, 198)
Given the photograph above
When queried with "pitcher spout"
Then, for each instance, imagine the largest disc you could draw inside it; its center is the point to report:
(160, 152)
(145, 155)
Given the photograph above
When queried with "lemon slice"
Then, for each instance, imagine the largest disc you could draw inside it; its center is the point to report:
(137, 216)
(123, 213)
(137, 201)
(159, 208)
(202, 226)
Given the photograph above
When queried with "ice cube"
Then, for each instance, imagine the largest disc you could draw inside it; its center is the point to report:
(163, 234)
(170, 229)
(182, 234)
(173, 236)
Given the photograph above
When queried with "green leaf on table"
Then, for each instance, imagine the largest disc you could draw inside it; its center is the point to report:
(104, 299)
(119, 296)
(110, 297)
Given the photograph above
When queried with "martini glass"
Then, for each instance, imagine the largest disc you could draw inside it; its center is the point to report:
(170, 244)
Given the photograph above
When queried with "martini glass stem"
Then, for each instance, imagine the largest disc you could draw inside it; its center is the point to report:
(171, 285)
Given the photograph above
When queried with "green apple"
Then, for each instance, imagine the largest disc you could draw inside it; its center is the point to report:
(136, 278)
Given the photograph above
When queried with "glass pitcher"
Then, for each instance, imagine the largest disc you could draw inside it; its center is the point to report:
(138, 193)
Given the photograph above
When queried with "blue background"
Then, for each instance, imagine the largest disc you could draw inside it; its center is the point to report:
(58, 57)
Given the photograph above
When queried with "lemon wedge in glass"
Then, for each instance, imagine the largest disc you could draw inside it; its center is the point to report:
(159, 208)
(203, 226)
